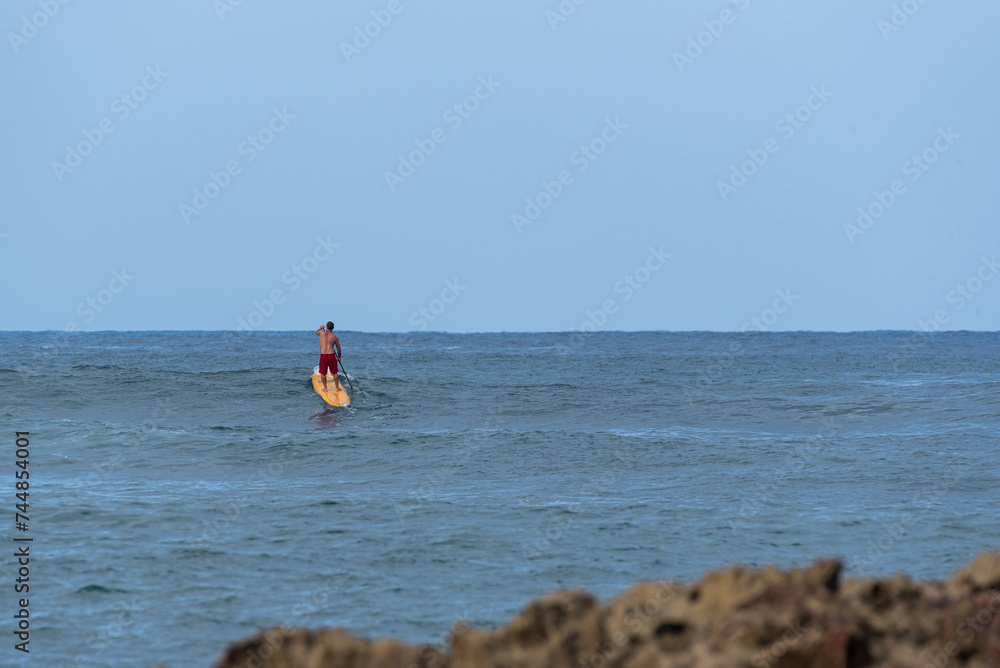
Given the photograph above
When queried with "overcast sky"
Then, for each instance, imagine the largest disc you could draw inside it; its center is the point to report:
(503, 166)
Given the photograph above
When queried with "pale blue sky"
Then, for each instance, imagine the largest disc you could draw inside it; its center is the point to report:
(672, 131)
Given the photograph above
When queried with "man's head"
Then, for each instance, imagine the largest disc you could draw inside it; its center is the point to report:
(329, 326)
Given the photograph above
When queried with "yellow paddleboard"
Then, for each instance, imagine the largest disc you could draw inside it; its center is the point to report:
(331, 396)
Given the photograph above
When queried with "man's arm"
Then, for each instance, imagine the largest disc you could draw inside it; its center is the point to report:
(336, 342)
(320, 330)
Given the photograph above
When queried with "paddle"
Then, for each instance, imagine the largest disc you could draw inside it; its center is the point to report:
(345, 375)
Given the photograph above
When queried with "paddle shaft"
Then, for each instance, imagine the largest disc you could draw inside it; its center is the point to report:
(345, 375)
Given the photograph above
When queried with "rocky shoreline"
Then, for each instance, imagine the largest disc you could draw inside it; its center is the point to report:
(739, 617)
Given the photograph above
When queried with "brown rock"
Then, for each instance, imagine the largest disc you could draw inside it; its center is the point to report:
(739, 617)
(327, 649)
(982, 573)
(555, 631)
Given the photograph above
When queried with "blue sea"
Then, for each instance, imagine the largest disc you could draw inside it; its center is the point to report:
(188, 489)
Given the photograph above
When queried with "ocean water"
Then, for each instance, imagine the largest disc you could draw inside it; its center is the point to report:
(190, 489)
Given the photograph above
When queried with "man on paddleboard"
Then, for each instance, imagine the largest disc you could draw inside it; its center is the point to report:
(327, 360)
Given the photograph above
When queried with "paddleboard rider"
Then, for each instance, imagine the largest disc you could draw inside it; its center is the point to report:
(327, 360)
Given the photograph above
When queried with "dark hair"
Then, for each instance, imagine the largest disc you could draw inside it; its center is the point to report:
(329, 326)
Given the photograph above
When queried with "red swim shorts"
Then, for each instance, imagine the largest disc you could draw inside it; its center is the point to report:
(328, 362)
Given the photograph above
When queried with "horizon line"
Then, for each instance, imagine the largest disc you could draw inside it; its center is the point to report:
(465, 333)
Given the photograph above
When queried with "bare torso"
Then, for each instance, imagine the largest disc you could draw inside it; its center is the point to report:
(327, 342)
